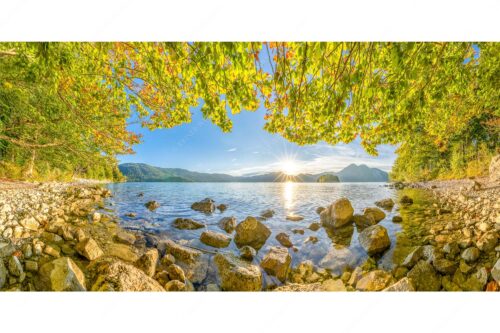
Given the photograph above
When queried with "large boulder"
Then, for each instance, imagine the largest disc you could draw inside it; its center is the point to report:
(236, 274)
(277, 262)
(495, 169)
(187, 224)
(374, 239)
(110, 274)
(61, 274)
(363, 221)
(377, 214)
(251, 232)
(206, 206)
(424, 277)
(337, 214)
(215, 239)
(375, 281)
(193, 262)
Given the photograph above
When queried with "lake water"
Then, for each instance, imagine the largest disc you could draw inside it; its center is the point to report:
(334, 249)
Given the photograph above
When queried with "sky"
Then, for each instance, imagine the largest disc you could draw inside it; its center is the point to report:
(201, 146)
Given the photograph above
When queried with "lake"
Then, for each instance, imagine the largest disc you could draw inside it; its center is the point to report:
(334, 249)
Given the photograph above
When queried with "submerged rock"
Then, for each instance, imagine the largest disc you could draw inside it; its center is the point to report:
(247, 252)
(385, 203)
(251, 232)
(397, 219)
(125, 237)
(337, 259)
(294, 218)
(277, 262)
(206, 206)
(237, 275)
(425, 277)
(337, 214)
(406, 200)
(283, 239)
(267, 214)
(187, 224)
(228, 224)
(152, 205)
(110, 274)
(376, 213)
(215, 239)
(315, 226)
(61, 274)
(375, 281)
(374, 239)
(222, 207)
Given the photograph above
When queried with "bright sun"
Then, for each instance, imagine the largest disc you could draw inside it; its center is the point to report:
(289, 167)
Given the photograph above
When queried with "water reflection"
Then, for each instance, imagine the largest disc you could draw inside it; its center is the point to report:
(341, 236)
(288, 194)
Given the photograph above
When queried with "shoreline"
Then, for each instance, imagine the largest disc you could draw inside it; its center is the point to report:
(92, 252)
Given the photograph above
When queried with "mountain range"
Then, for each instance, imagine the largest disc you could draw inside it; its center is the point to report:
(140, 172)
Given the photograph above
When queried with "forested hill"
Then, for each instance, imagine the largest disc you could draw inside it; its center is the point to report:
(140, 172)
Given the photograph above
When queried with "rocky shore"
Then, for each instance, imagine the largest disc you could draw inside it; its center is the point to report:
(58, 237)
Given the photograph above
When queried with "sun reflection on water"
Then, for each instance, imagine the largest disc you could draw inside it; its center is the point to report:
(289, 194)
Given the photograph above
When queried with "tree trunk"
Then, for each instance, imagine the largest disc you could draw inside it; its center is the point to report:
(31, 165)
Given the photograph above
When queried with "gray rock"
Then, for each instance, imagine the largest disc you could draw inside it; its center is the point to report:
(277, 262)
(337, 214)
(374, 239)
(424, 277)
(237, 275)
(470, 254)
(251, 232)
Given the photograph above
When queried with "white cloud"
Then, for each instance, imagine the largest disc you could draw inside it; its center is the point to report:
(231, 150)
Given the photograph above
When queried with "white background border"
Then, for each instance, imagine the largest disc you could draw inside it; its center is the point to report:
(398, 20)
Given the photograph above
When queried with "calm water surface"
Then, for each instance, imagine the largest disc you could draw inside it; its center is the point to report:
(334, 249)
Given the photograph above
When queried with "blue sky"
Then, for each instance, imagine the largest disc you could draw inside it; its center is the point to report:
(248, 149)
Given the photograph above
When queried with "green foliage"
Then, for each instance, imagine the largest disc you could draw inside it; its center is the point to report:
(67, 106)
